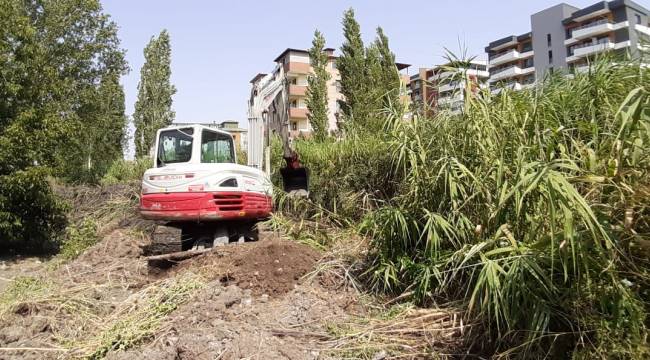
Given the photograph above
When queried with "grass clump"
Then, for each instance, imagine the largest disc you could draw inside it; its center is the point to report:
(21, 291)
(141, 315)
(122, 171)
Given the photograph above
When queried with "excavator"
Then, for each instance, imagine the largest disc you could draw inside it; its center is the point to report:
(198, 193)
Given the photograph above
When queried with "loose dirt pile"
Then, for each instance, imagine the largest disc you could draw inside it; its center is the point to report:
(270, 266)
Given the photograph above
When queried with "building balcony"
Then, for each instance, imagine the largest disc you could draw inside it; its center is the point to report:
(594, 29)
(595, 48)
(297, 68)
(515, 86)
(297, 90)
(510, 72)
(642, 29)
(448, 100)
(298, 113)
(453, 86)
(509, 56)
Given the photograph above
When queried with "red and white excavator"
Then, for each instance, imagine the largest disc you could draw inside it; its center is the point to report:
(198, 191)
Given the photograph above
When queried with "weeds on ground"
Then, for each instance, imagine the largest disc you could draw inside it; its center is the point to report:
(398, 331)
(78, 238)
(141, 315)
(21, 291)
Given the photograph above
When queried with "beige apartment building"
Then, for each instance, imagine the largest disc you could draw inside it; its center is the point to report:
(443, 86)
(297, 68)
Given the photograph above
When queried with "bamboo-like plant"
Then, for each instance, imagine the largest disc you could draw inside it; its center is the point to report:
(532, 207)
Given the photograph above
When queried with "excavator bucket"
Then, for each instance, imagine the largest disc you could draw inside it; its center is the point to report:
(295, 180)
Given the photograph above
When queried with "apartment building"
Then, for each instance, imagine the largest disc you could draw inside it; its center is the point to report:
(297, 68)
(511, 62)
(605, 26)
(564, 37)
(421, 93)
(443, 86)
(451, 81)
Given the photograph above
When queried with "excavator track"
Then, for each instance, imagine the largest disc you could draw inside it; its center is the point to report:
(165, 239)
(184, 239)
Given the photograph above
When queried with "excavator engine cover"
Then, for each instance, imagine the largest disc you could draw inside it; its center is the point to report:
(295, 180)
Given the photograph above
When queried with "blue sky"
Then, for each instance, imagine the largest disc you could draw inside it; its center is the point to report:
(218, 46)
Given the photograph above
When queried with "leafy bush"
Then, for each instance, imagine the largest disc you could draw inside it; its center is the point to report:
(528, 206)
(78, 238)
(122, 171)
(31, 216)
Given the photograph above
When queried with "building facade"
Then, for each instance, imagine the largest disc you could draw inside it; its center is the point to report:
(443, 86)
(297, 68)
(567, 38)
(239, 135)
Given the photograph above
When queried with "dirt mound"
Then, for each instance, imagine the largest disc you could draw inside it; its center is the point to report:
(269, 266)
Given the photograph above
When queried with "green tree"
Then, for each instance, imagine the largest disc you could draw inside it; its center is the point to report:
(352, 67)
(317, 89)
(105, 146)
(153, 108)
(56, 58)
(388, 80)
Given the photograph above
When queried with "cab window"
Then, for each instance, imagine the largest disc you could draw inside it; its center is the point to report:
(216, 148)
(175, 146)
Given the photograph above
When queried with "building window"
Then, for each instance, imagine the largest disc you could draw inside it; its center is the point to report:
(294, 126)
(529, 63)
(294, 104)
(638, 18)
(548, 39)
(294, 81)
(550, 56)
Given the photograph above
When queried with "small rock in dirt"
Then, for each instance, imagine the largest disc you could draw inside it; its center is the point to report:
(264, 298)
(276, 261)
(11, 334)
(247, 301)
(380, 355)
(257, 273)
(278, 271)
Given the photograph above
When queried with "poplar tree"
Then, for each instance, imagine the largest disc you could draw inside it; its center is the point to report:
(352, 67)
(153, 108)
(388, 75)
(317, 89)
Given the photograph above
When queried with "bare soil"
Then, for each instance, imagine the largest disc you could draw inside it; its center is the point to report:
(256, 302)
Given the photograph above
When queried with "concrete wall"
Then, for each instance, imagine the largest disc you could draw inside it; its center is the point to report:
(546, 22)
(631, 18)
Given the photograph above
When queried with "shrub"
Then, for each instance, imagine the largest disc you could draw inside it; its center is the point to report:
(122, 171)
(31, 216)
(78, 237)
